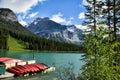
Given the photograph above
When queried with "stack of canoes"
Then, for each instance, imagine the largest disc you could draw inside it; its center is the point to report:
(28, 68)
(23, 68)
(9, 62)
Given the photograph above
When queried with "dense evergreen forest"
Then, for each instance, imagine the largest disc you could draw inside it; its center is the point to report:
(31, 41)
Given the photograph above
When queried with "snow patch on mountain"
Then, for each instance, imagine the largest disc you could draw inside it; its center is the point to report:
(46, 28)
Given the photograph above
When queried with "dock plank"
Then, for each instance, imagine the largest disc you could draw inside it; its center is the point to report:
(6, 75)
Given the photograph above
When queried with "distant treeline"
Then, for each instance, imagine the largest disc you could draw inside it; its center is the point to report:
(31, 41)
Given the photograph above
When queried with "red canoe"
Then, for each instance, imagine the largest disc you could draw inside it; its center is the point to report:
(28, 68)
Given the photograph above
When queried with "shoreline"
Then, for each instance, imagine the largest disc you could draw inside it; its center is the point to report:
(79, 52)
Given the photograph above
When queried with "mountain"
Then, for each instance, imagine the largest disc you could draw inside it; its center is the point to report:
(46, 28)
(13, 36)
(8, 15)
(8, 20)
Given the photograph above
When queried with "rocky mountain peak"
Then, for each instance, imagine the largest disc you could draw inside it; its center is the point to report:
(43, 19)
(8, 15)
(46, 28)
(46, 18)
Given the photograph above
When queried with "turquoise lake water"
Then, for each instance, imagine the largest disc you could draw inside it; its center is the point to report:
(59, 60)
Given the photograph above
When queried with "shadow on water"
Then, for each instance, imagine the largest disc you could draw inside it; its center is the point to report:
(3, 53)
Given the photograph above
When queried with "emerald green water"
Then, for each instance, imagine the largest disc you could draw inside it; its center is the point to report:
(58, 60)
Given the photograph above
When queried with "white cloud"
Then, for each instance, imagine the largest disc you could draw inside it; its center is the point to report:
(81, 15)
(33, 14)
(22, 7)
(100, 0)
(59, 18)
(84, 2)
(79, 26)
(22, 22)
(104, 7)
(69, 22)
(19, 6)
(21, 18)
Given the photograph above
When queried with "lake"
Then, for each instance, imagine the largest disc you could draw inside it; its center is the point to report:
(59, 60)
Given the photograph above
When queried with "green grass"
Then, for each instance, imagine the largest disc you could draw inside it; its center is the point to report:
(15, 44)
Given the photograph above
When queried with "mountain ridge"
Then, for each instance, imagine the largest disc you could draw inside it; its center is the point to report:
(8, 15)
(46, 28)
(12, 28)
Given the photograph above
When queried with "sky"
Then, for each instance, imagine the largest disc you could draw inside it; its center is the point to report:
(65, 12)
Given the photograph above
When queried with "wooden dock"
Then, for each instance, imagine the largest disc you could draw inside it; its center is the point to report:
(11, 67)
(6, 75)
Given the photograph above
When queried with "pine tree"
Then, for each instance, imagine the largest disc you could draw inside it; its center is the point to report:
(99, 49)
(101, 67)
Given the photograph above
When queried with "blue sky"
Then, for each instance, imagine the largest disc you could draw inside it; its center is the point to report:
(66, 12)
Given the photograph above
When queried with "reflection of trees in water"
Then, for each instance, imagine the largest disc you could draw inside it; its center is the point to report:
(66, 73)
(3, 53)
(17, 55)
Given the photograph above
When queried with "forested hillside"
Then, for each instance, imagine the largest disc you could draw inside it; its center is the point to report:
(31, 41)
